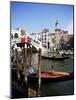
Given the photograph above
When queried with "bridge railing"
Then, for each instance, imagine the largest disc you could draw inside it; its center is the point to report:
(36, 44)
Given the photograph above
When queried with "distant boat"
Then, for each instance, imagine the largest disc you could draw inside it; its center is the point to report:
(55, 58)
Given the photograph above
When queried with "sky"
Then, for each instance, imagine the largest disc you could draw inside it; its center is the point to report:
(34, 17)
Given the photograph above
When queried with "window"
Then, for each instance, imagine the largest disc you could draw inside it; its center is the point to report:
(11, 36)
(16, 35)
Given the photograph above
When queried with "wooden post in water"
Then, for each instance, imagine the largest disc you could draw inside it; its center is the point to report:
(25, 64)
(25, 68)
(32, 91)
(17, 65)
(39, 73)
(30, 54)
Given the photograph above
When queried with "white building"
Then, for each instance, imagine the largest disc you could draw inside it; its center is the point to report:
(17, 34)
(44, 36)
(35, 36)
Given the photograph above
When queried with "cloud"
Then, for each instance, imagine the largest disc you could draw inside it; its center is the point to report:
(70, 27)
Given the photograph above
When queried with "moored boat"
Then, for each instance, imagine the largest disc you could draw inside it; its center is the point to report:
(55, 58)
(47, 77)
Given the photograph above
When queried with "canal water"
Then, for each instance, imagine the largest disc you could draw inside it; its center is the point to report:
(59, 88)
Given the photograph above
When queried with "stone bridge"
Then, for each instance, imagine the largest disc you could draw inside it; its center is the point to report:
(37, 45)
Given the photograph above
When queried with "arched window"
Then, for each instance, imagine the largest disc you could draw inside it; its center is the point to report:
(11, 36)
(16, 35)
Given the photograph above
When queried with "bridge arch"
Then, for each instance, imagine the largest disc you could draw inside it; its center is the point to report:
(36, 45)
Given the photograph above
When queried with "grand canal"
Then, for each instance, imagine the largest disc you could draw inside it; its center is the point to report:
(59, 88)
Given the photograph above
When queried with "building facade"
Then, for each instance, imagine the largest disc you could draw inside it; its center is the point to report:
(65, 36)
(19, 35)
(44, 36)
(49, 40)
(52, 41)
(35, 36)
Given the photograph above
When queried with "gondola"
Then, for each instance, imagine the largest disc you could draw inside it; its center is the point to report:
(55, 58)
(47, 77)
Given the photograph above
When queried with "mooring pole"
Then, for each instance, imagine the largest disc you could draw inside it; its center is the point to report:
(25, 64)
(39, 73)
(17, 65)
(25, 68)
(30, 54)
